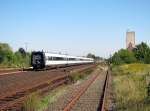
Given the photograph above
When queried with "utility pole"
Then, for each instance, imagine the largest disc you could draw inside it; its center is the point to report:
(26, 46)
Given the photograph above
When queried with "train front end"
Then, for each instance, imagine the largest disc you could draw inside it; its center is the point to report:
(38, 60)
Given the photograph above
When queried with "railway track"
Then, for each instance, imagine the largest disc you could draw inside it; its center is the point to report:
(83, 101)
(10, 71)
(14, 100)
(104, 93)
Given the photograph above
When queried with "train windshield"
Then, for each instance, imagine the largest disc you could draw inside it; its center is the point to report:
(37, 59)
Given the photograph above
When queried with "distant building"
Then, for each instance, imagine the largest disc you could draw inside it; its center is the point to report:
(130, 40)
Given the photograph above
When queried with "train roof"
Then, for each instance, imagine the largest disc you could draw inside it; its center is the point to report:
(66, 56)
(62, 55)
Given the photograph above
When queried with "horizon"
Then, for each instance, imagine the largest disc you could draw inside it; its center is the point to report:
(73, 27)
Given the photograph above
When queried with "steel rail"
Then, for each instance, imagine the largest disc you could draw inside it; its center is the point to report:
(76, 98)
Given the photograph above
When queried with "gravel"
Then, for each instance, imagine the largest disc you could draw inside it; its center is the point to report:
(89, 101)
(10, 84)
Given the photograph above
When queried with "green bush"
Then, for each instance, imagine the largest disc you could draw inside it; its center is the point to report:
(8, 58)
(123, 56)
(140, 54)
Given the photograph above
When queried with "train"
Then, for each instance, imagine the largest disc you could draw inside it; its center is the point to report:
(43, 60)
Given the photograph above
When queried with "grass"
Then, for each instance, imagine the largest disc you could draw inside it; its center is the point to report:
(130, 87)
(34, 102)
(31, 102)
(51, 97)
(75, 76)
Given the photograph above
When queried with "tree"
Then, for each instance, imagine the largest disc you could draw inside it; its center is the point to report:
(147, 58)
(142, 53)
(127, 56)
(6, 53)
(90, 55)
(23, 58)
(139, 54)
(116, 59)
(22, 51)
(10, 59)
(123, 56)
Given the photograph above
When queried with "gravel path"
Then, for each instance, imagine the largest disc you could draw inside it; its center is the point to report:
(89, 101)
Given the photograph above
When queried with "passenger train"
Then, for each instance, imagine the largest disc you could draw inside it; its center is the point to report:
(41, 60)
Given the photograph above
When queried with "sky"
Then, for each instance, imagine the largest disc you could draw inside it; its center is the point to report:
(75, 27)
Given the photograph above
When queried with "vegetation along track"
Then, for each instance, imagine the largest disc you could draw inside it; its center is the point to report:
(93, 93)
(14, 100)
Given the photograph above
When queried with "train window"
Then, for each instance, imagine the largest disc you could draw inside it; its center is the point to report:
(59, 58)
(81, 59)
(77, 59)
(71, 59)
(50, 58)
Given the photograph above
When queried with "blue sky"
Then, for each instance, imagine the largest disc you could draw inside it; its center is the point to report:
(75, 27)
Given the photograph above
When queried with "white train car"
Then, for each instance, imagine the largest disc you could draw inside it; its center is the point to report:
(40, 60)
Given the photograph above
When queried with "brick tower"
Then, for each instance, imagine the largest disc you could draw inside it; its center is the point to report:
(130, 40)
